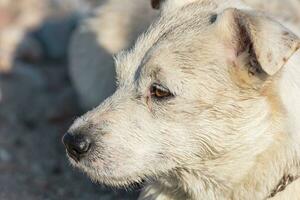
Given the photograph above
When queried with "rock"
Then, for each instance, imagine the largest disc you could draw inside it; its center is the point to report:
(4, 155)
(17, 105)
(10, 37)
(91, 70)
(52, 21)
(30, 50)
(16, 18)
(54, 35)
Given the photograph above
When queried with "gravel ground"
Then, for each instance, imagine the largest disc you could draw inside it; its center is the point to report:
(37, 106)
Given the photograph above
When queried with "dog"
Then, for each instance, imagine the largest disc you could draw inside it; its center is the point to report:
(206, 108)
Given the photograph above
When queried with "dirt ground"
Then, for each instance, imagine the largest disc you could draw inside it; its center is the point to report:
(37, 106)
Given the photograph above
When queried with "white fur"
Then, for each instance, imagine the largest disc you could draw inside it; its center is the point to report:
(223, 134)
(290, 94)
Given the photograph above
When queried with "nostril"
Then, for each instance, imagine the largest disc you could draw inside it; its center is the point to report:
(83, 145)
(76, 144)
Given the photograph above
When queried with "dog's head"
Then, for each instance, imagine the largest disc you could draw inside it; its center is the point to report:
(196, 90)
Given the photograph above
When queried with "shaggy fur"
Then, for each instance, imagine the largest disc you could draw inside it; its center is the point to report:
(230, 129)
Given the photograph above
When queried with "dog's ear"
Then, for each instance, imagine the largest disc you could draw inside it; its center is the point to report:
(267, 43)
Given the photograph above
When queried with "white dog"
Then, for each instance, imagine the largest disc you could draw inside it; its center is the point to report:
(207, 107)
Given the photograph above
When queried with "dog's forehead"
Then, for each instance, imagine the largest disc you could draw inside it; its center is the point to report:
(175, 31)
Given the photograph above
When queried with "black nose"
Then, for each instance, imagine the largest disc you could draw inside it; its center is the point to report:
(77, 145)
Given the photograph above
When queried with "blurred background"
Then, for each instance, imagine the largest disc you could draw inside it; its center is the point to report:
(38, 102)
(56, 62)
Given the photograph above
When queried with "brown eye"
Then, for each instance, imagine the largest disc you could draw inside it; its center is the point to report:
(159, 91)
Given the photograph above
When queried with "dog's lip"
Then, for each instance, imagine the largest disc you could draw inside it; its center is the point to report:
(121, 182)
(72, 156)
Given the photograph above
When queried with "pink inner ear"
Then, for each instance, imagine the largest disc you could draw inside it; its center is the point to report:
(231, 54)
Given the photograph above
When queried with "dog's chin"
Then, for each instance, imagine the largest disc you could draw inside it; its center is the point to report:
(113, 181)
(116, 182)
(99, 176)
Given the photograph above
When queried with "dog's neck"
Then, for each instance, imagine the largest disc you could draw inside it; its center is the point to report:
(259, 182)
(263, 180)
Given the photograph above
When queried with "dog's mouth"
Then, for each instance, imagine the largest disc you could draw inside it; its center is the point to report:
(104, 175)
(130, 181)
(122, 182)
(72, 156)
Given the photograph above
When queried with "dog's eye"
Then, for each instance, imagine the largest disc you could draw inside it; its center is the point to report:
(159, 91)
(213, 18)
